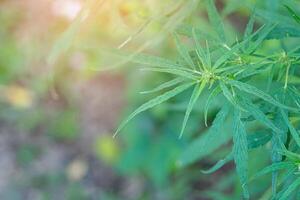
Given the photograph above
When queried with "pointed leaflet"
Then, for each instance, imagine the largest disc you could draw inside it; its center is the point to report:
(293, 131)
(165, 85)
(240, 151)
(250, 25)
(153, 102)
(219, 164)
(215, 19)
(261, 37)
(273, 168)
(208, 142)
(293, 13)
(290, 155)
(200, 51)
(258, 93)
(213, 94)
(290, 189)
(183, 52)
(175, 71)
(196, 93)
(228, 95)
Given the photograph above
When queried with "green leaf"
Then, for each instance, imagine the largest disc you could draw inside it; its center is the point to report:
(200, 51)
(213, 94)
(207, 142)
(165, 85)
(153, 102)
(290, 189)
(196, 93)
(228, 95)
(184, 53)
(293, 14)
(219, 164)
(249, 27)
(293, 131)
(261, 37)
(290, 155)
(273, 168)
(215, 20)
(258, 93)
(174, 71)
(240, 151)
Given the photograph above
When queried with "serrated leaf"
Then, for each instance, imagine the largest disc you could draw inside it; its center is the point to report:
(153, 102)
(195, 95)
(208, 142)
(215, 20)
(165, 85)
(240, 151)
(258, 93)
(293, 131)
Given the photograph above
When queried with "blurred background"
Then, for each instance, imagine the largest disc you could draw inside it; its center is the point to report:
(63, 94)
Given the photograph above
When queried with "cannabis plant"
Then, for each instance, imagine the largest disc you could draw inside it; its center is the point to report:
(257, 84)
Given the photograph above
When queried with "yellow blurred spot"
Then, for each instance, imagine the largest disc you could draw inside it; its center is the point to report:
(106, 148)
(76, 170)
(134, 10)
(18, 96)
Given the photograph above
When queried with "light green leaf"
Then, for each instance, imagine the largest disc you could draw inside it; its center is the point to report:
(175, 71)
(249, 27)
(196, 93)
(219, 164)
(228, 95)
(200, 51)
(240, 151)
(153, 102)
(165, 85)
(213, 94)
